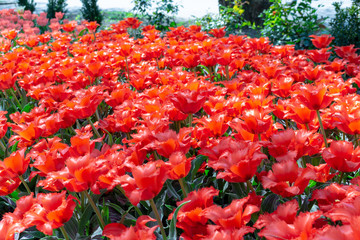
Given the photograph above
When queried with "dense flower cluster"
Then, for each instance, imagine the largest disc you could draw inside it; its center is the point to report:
(220, 126)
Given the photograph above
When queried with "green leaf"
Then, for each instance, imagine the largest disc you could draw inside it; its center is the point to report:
(312, 183)
(30, 235)
(84, 31)
(27, 107)
(171, 190)
(14, 147)
(270, 203)
(196, 184)
(14, 196)
(85, 218)
(71, 227)
(195, 165)
(172, 231)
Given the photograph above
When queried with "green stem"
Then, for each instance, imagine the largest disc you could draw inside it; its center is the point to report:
(157, 216)
(82, 201)
(177, 126)
(97, 115)
(356, 140)
(190, 119)
(299, 200)
(156, 156)
(93, 205)
(123, 192)
(78, 125)
(183, 187)
(22, 94)
(72, 130)
(322, 129)
(93, 128)
(16, 99)
(127, 69)
(25, 184)
(194, 71)
(250, 186)
(128, 136)
(64, 233)
(2, 146)
(157, 63)
(7, 97)
(307, 126)
(227, 72)
(303, 161)
(341, 177)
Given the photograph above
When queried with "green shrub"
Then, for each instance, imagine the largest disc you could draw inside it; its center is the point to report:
(345, 26)
(163, 15)
(55, 6)
(230, 16)
(91, 11)
(291, 22)
(27, 4)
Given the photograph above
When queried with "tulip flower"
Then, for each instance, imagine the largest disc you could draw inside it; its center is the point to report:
(188, 101)
(192, 216)
(118, 231)
(342, 156)
(287, 179)
(321, 41)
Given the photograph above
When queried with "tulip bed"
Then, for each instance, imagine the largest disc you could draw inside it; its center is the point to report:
(188, 135)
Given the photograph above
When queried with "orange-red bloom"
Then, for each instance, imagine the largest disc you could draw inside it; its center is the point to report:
(342, 156)
(188, 101)
(236, 161)
(321, 41)
(292, 145)
(234, 216)
(179, 165)
(192, 216)
(314, 97)
(3, 124)
(287, 179)
(50, 211)
(148, 181)
(118, 231)
(16, 162)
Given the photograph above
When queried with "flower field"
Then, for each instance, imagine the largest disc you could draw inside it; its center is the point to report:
(129, 133)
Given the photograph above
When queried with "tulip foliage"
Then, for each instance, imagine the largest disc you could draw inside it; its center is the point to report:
(183, 135)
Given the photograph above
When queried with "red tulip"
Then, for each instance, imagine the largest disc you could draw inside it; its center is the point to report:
(118, 231)
(9, 181)
(50, 211)
(292, 145)
(234, 216)
(285, 212)
(192, 216)
(188, 101)
(179, 165)
(334, 194)
(301, 228)
(314, 97)
(321, 41)
(148, 181)
(342, 156)
(287, 179)
(17, 163)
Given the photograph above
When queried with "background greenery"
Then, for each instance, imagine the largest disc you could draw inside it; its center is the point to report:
(289, 22)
